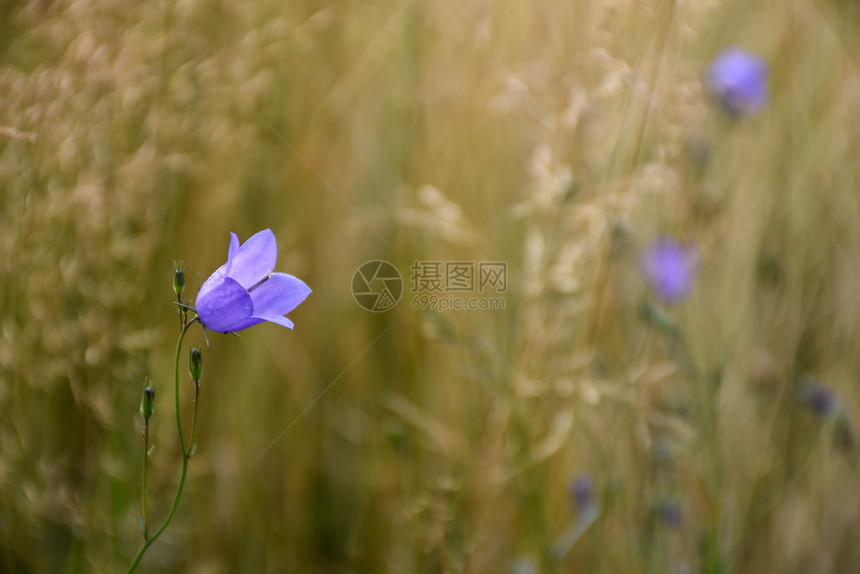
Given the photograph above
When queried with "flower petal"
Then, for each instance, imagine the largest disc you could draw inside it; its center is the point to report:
(278, 295)
(225, 306)
(279, 319)
(255, 259)
(232, 251)
(213, 281)
(243, 324)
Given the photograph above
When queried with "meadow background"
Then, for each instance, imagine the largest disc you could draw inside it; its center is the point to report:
(568, 432)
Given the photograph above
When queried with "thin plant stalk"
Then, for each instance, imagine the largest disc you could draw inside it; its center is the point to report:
(185, 454)
(145, 465)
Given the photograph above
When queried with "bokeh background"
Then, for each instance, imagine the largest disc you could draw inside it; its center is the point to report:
(567, 432)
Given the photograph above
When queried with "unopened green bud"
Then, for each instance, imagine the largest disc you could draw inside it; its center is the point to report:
(195, 364)
(178, 277)
(147, 401)
(657, 317)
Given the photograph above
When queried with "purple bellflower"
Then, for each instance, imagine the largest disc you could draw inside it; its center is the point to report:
(737, 80)
(244, 291)
(670, 268)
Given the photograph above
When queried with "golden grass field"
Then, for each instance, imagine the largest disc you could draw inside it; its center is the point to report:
(557, 137)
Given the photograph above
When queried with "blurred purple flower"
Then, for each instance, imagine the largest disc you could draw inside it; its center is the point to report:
(826, 404)
(820, 400)
(737, 80)
(244, 291)
(582, 491)
(670, 514)
(670, 268)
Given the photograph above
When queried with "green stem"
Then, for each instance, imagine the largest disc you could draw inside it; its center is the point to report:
(176, 386)
(167, 520)
(148, 542)
(145, 461)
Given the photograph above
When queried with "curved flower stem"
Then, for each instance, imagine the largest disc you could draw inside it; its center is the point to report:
(176, 385)
(185, 456)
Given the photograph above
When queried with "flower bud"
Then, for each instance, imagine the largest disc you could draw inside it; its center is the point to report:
(195, 364)
(147, 401)
(657, 317)
(178, 277)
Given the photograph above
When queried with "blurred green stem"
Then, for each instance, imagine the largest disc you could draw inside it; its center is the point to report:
(145, 464)
(709, 392)
(185, 454)
(604, 263)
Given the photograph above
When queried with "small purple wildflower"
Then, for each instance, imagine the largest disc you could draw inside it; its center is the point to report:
(244, 291)
(670, 514)
(670, 268)
(737, 80)
(820, 400)
(582, 491)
